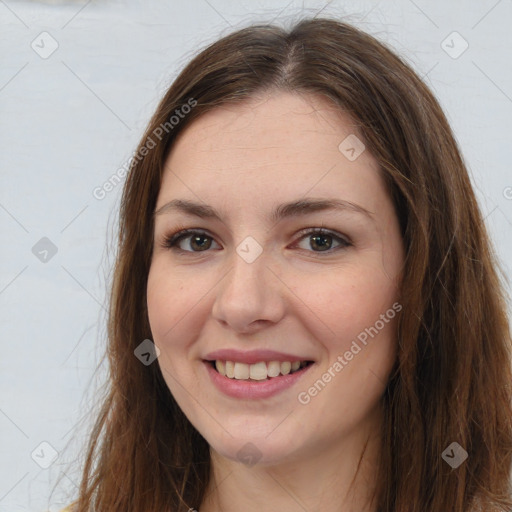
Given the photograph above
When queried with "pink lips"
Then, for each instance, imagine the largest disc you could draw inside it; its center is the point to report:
(249, 389)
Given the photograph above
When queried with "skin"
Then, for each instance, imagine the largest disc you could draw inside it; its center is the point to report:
(243, 160)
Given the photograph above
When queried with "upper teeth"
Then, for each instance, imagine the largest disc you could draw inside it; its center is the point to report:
(258, 371)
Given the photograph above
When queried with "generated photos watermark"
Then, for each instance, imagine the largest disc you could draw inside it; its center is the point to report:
(108, 185)
(454, 455)
(147, 352)
(304, 397)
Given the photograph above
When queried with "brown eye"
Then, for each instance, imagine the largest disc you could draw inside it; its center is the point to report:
(198, 241)
(321, 240)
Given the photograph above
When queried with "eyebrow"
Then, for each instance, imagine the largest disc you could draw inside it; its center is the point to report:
(282, 211)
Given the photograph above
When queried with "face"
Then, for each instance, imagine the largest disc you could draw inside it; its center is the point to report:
(299, 323)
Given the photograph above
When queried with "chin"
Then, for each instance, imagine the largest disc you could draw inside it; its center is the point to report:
(252, 447)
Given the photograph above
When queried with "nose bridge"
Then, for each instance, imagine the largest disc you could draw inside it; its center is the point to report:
(249, 291)
(248, 272)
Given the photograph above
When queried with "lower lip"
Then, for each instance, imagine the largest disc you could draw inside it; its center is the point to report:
(251, 389)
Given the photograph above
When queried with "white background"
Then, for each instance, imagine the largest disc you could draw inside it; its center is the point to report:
(69, 121)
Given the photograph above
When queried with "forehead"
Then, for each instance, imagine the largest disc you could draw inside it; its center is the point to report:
(276, 122)
(281, 146)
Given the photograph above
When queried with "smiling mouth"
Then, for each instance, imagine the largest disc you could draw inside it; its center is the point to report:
(260, 371)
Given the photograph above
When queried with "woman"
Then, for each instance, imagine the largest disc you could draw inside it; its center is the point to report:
(306, 312)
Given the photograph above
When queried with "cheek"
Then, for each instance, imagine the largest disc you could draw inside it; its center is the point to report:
(169, 300)
(347, 300)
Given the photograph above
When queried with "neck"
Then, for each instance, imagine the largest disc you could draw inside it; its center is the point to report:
(340, 476)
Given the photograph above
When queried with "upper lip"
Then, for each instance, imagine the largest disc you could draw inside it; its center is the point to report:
(252, 356)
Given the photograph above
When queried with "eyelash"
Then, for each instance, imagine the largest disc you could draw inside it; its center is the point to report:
(171, 241)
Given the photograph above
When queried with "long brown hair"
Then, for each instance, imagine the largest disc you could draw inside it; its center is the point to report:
(452, 377)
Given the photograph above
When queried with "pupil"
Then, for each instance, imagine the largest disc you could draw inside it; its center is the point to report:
(322, 237)
(199, 237)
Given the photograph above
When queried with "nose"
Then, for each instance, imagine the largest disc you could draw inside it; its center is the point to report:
(250, 296)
